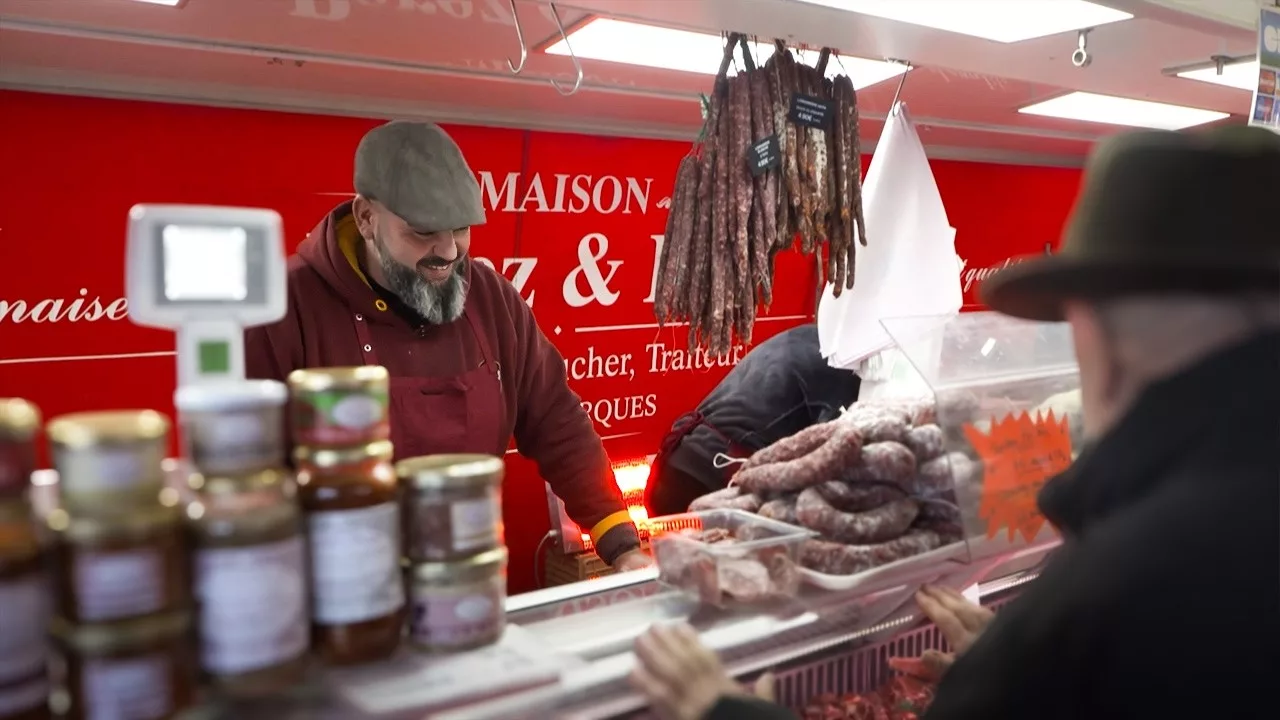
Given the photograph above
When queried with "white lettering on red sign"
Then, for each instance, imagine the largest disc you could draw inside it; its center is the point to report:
(574, 194)
(52, 310)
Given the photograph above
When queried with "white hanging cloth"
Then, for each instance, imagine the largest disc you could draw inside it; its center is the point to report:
(909, 266)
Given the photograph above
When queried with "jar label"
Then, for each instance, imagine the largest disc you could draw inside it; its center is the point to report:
(24, 696)
(107, 468)
(450, 618)
(23, 604)
(253, 606)
(474, 523)
(133, 689)
(355, 558)
(234, 441)
(113, 585)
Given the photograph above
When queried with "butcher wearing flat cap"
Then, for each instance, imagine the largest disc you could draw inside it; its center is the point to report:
(386, 279)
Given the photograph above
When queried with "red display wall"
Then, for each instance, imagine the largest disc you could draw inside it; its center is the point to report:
(560, 207)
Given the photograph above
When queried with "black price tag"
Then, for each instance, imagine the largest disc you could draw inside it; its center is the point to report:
(810, 111)
(764, 155)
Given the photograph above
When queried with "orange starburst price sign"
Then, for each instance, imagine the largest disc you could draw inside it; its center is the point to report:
(1020, 454)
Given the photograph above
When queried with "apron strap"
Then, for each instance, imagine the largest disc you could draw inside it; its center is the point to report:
(486, 352)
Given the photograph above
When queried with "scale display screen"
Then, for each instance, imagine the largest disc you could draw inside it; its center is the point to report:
(205, 263)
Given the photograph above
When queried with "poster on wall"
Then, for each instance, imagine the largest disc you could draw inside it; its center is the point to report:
(1266, 96)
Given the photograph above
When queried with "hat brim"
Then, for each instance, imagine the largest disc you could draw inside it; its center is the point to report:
(1038, 289)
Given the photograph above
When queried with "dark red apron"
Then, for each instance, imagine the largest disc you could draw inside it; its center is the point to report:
(432, 415)
(680, 429)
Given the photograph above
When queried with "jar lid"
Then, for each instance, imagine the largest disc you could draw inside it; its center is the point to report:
(440, 472)
(473, 569)
(89, 429)
(340, 378)
(231, 396)
(114, 637)
(19, 419)
(338, 457)
(225, 483)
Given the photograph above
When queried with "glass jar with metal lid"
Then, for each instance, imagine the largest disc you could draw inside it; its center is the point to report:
(250, 581)
(340, 406)
(233, 427)
(452, 506)
(24, 610)
(19, 421)
(127, 566)
(458, 605)
(141, 668)
(353, 523)
(108, 462)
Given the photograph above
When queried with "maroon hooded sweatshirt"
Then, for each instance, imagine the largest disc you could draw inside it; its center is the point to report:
(335, 318)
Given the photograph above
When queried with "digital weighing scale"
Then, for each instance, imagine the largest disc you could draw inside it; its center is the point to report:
(207, 273)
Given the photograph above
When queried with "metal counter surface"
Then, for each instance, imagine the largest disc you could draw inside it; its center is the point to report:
(568, 649)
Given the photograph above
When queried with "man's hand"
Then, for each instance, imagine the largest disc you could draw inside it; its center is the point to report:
(680, 677)
(959, 620)
(632, 560)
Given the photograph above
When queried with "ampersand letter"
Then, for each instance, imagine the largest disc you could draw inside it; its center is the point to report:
(591, 250)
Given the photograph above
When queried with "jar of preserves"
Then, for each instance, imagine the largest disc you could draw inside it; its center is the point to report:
(19, 421)
(122, 567)
(452, 506)
(108, 462)
(250, 581)
(340, 406)
(24, 609)
(234, 427)
(458, 605)
(140, 668)
(353, 526)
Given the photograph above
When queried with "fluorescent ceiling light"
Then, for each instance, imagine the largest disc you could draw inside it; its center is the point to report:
(1004, 21)
(1122, 111)
(170, 3)
(667, 49)
(1241, 74)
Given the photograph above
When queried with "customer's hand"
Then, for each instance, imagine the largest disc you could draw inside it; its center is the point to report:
(959, 620)
(632, 560)
(679, 676)
(929, 667)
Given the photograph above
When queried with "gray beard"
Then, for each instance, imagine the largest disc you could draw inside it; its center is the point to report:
(437, 304)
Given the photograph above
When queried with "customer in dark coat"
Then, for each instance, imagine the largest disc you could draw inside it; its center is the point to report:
(1164, 600)
(781, 387)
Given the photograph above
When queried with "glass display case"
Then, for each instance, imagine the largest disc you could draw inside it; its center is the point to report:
(1006, 394)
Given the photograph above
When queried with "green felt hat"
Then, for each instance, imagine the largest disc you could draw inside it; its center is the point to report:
(1160, 212)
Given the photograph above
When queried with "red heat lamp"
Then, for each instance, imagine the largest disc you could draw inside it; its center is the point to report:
(632, 476)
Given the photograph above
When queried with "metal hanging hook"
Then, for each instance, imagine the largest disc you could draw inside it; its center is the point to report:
(524, 49)
(577, 64)
(1081, 57)
(893, 106)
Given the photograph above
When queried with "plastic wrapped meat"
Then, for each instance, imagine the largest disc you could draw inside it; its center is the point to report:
(745, 579)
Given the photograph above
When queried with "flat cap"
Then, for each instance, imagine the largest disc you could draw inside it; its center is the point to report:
(418, 172)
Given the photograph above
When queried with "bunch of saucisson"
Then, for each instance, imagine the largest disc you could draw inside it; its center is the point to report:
(733, 208)
(877, 485)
